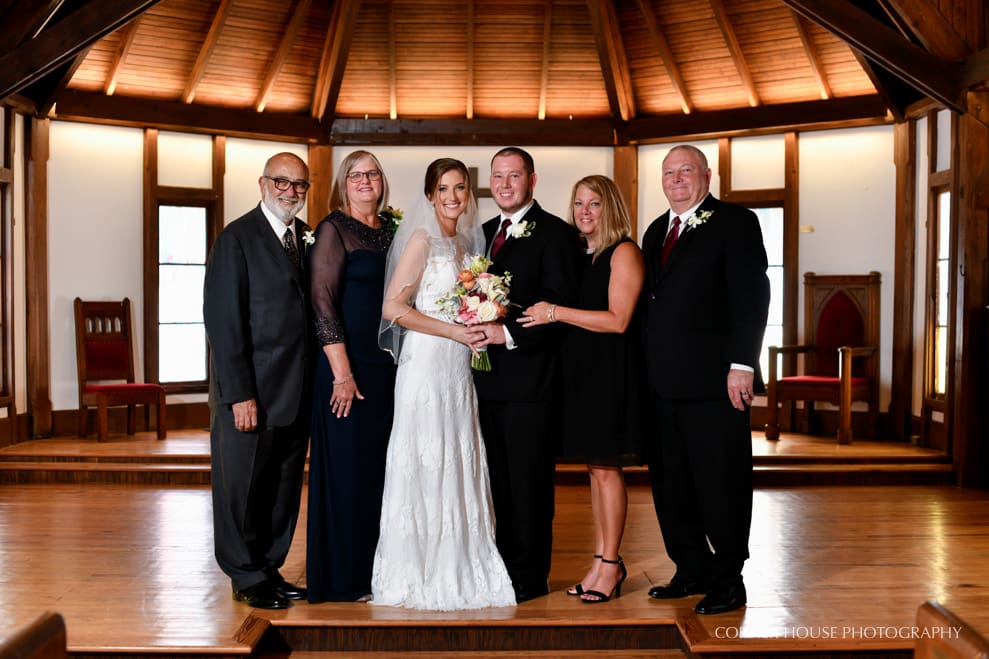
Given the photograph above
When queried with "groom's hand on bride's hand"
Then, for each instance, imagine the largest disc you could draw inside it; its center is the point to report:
(489, 334)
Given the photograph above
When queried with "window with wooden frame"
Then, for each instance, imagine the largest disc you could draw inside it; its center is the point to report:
(180, 226)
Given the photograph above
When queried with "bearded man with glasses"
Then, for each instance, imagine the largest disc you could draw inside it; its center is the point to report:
(257, 313)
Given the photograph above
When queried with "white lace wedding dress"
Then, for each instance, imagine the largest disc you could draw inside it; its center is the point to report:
(436, 550)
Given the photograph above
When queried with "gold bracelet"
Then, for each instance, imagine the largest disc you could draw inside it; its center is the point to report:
(343, 380)
(551, 313)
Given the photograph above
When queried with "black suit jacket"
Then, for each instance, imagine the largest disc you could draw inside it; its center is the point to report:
(543, 266)
(258, 320)
(706, 308)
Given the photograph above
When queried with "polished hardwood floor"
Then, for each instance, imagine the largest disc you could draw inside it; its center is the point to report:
(834, 569)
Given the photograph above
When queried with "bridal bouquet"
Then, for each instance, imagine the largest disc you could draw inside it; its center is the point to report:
(477, 297)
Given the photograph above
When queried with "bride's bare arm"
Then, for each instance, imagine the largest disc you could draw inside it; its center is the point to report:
(398, 306)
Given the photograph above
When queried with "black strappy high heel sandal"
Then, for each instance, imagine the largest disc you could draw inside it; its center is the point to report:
(578, 589)
(615, 592)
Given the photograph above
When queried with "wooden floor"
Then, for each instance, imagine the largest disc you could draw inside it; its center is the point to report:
(834, 568)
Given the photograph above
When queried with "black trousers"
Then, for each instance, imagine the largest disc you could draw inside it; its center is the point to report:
(521, 462)
(700, 467)
(257, 487)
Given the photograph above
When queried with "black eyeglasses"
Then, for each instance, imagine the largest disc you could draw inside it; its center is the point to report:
(284, 184)
(371, 174)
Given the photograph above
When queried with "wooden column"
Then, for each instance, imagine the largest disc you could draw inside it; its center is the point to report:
(627, 179)
(36, 277)
(321, 178)
(970, 432)
(905, 238)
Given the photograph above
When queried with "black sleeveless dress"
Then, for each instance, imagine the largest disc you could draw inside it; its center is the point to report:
(604, 381)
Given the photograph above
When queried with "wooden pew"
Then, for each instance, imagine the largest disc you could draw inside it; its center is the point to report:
(42, 639)
(943, 635)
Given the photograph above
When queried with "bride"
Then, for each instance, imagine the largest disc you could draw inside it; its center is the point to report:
(436, 549)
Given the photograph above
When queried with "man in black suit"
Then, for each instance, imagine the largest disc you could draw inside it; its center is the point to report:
(518, 418)
(257, 313)
(706, 300)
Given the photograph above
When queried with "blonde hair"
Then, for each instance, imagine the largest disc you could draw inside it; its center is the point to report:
(615, 220)
(338, 194)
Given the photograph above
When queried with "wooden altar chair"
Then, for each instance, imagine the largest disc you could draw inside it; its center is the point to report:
(105, 364)
(841, 353)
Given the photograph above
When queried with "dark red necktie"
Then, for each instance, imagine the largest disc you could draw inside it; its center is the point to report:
(500, 238)
(671, 238)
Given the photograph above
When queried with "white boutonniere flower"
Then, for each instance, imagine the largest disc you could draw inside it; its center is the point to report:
(308, 237)
(521, 229)
(698, 219)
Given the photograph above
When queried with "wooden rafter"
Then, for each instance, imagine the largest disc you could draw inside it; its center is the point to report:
(812, 57)
(544, 68)
(392, 63)
(219, 19)
(470, 59)
(721, 15)
(60, 43)
(930, 27)
(281, 55)
(127, 35)
(334, 58)
(928, 73)
(666, 55)
(25, 22)
(611, 53)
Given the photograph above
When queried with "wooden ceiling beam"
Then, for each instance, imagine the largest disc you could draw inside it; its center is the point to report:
(281, 55)
(392, 63)
(334, 59)
(846, 111)
(928, 73)
(61, 42)
(611, 53)
(812, 57)
(666, 55)
(930, 27)
(470, 59)
(118, 110)
(472, 132)
(20, 23)
(737, 56)
(127, 34)
(206, 51)
(544, 65)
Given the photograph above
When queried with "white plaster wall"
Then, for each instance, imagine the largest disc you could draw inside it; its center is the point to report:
(848, 196)
(95, 235)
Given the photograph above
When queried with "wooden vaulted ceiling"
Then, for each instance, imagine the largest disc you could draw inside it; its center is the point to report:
(479, 72)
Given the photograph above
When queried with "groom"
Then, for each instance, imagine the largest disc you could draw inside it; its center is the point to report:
(518, 418)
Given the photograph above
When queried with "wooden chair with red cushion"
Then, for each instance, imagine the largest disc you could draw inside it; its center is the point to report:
(105, 364)
(841, 353)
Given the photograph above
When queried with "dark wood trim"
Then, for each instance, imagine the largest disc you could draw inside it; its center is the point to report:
(150, 233)
(7, 181)
(626, 168)
(36, 134)
(321, 180)
(970, 429)
(181, 416)
(611, 56)
(334, 60)
(472, 132)
(791, 245)
(904, 270)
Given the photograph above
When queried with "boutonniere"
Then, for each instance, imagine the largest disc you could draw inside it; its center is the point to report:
(392, 217)
(698, 219)
(308, 237)
(521, 229)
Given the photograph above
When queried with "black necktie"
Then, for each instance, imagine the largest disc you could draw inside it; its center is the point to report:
(501, 237)
(289, 243)
(671, 238)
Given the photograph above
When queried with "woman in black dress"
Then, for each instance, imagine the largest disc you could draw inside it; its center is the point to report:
(602, 372)
(355, 383)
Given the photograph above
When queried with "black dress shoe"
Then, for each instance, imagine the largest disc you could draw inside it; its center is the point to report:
(526, 592)
(261, 596)
(677, 589)
(722, 600)
(287, 590)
